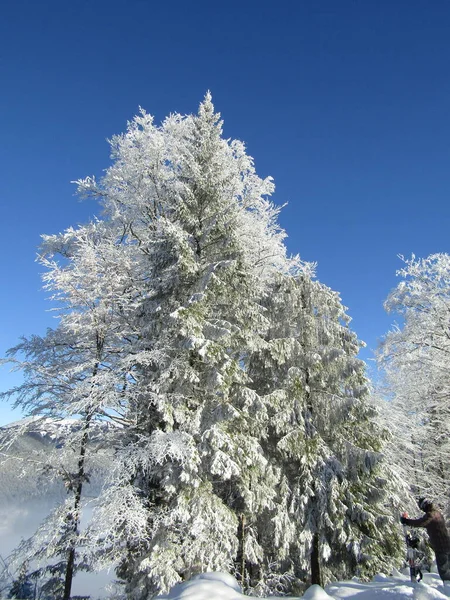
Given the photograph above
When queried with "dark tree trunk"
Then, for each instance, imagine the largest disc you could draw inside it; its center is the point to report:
(316, 575)
(75, 517)
(240, 559)
(310, 432)
(241, 566)
(69, 574)
(78, 487)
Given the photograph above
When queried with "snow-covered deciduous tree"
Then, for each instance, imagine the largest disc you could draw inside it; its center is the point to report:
(74, 369)
(415, 358)
(332, 516)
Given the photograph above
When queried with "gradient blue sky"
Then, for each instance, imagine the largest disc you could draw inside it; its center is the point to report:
(344, 102)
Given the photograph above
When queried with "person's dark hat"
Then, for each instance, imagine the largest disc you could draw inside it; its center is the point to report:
(424, 504)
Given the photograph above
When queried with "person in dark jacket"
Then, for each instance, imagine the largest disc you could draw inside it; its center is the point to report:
(434, 523)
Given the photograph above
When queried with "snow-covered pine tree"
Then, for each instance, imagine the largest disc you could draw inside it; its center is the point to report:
(74, 370)
(332, 516)
(22, 587)
(192, 466)
(414, 357)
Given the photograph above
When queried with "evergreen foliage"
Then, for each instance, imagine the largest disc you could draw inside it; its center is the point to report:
(192, 460)
(22, 588)
(335, 500)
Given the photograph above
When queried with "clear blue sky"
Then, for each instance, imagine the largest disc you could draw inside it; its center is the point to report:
(345, 103)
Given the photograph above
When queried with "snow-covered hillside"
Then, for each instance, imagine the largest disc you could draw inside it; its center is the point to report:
(30, 459)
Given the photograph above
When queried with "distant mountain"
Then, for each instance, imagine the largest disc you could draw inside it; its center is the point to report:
(51, 431)
(33, 452)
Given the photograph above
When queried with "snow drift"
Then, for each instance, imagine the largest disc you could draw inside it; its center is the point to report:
(222, 586)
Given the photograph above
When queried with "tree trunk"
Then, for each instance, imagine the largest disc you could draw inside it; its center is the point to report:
(316, 575)
(241, 551)
(76, 507)
(69, 574)
(80, 476)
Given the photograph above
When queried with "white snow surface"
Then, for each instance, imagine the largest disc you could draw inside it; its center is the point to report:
(222, 586)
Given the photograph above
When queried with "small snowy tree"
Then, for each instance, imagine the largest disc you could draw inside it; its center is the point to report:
(415, 358)
(22, 588)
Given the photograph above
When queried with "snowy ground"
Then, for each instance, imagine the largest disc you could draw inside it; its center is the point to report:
(221, 586)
